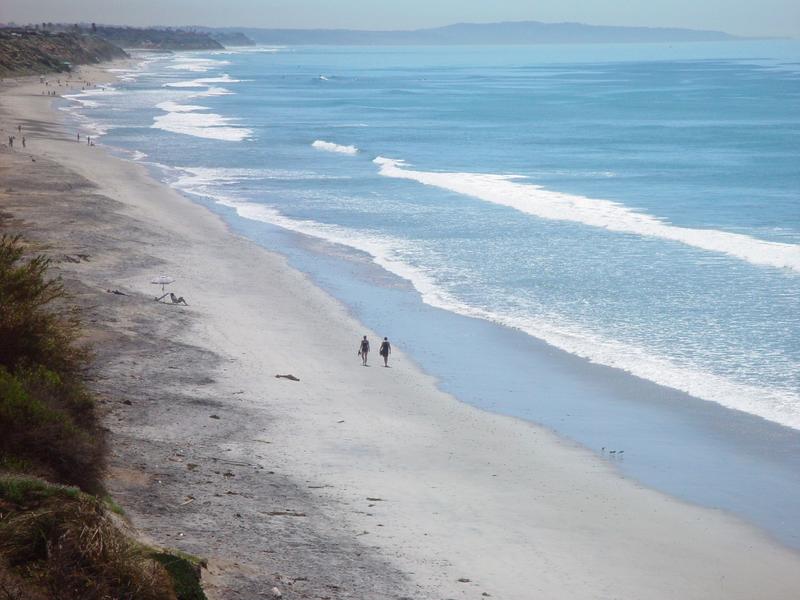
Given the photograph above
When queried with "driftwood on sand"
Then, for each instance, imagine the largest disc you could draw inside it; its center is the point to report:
(290, 376)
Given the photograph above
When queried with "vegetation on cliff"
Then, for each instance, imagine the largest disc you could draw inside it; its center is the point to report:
(59, 536)
(157, 38)
(28, 51)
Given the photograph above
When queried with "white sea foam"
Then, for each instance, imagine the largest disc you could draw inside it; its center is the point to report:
(509, 190)
(132, 74)
(202, 180)
(202, 82)
(92, 92)
(84, 103)
(192, 120)
(95, 128)
(392, 254)
(202, 125)
(212, 91)
(199, 179)
(197, 65)
(88, 98)
(331, 147)
(252, 50)
(170, 106)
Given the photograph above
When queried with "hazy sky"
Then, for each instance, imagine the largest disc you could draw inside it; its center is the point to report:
(744, 17)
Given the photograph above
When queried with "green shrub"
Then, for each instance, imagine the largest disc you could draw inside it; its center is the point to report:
(38, 426)
(34, 328)
(56, 541)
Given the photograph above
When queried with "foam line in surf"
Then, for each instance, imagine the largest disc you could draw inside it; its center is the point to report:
(193, 120)
(397, 256)
(202, 82)
(212, 91)
(196, 65)
(509, 190)
(170, 106)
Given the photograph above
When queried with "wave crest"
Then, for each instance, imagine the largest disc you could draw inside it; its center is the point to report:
(506, 190)
(189, 119)
(331, 147)
(202, 82)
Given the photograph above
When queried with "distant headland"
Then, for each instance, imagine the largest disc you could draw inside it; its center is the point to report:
(512, 33)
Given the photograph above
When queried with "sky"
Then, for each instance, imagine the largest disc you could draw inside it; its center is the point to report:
(740, 17)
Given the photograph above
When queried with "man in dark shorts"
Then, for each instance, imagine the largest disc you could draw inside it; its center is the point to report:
(385, 351)
(363, 350)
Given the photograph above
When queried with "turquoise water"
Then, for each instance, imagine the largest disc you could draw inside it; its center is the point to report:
(634, 206)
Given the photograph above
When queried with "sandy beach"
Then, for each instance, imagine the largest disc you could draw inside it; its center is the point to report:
(351, 482)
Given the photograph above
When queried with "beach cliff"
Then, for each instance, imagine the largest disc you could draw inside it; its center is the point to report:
(28, 51)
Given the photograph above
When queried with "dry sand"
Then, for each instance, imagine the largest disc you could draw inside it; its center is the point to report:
(353, 482)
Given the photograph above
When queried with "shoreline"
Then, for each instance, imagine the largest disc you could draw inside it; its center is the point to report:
(472, 495)
(692, 450)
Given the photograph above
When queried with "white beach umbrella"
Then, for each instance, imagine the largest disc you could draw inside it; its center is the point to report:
(162, 280)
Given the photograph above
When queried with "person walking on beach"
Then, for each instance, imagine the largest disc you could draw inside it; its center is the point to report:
(23, 141)
(363, 350)
(385, 350)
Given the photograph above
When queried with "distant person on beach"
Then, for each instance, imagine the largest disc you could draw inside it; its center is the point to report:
(177, 299)
(385, 350)
(79, 136)
(363, 350)
(23, 141)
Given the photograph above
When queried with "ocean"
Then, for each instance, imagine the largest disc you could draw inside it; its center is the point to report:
(602, 239)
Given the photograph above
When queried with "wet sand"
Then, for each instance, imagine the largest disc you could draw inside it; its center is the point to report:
(352, 482)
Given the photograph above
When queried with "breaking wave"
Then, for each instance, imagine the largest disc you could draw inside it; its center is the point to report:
(509, 190)
(331, 147)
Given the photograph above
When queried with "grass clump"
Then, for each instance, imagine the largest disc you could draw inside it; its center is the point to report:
(20, 490)
(184, 570)
(112, 505)
(63, 543)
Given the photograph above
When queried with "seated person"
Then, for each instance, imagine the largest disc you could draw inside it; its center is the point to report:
(177, 300)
